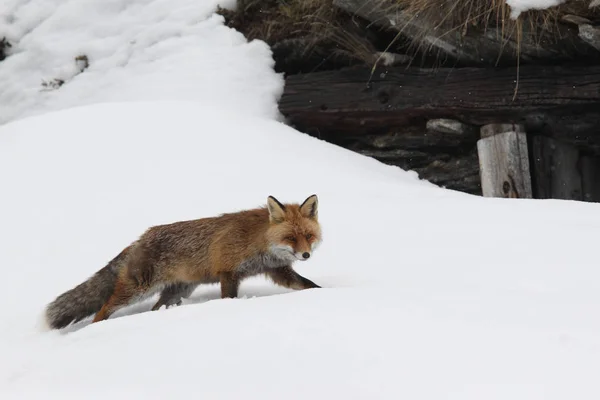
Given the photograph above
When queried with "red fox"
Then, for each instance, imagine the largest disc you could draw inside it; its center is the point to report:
(174, 259)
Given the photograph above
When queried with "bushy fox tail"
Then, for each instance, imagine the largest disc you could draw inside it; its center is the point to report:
(86, 298)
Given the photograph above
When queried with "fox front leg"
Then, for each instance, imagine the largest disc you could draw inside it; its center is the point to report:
(287, 277)
(230, 283)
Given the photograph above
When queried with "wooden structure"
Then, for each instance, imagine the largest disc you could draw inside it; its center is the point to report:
(352, 100)
(557, 170)
(394, 115)
(478, 68)
(504, 161)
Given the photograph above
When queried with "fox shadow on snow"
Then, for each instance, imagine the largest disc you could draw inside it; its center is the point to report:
(202, 294)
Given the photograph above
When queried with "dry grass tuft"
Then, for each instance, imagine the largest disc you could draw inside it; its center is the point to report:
(474, 13)
(461, 16)
(310, 22)
(318, 28)
(275, 20)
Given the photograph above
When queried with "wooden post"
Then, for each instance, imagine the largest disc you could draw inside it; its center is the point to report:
(504, 161)
(556, 170)
(590, 178)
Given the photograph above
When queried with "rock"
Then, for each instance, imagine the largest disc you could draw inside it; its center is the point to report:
(590, 34)
(451, 127)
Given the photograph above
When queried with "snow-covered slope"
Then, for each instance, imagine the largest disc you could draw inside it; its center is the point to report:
(136, 50)
(427, 294)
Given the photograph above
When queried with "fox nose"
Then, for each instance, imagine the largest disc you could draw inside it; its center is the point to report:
(306, 254)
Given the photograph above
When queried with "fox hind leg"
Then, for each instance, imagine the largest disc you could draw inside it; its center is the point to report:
(126, 290)
(173, 294)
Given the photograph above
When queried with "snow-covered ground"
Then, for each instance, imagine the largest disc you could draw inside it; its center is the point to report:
(427, 293)
(136, 50)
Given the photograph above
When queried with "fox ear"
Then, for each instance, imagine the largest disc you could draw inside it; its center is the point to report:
(276, 209)
(309, 208)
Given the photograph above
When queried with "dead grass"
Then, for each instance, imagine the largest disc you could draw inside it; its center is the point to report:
(319, 24)
(490, 13)
(464, 14)
(316, 22)
(461, 16)
(275, 20)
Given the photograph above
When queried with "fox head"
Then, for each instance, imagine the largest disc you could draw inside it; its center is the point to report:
(294, 230)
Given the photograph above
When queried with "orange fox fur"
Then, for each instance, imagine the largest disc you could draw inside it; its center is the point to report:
(174, 259)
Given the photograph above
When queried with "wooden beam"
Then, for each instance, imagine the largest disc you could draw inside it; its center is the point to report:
(484, 92)
(435, 134)
(556, 170)
(552, 100)
(504, 161)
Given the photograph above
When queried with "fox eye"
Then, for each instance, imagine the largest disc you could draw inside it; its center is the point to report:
(309, 236)
(290, 238)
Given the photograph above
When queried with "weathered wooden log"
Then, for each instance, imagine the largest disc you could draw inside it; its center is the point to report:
(504, 161)
(442, 152)
(477, 47)
(406, 159)
(555, 170)
(437, 134)
(456, 172)
(459, 172)
(352, 102)
(484, 92)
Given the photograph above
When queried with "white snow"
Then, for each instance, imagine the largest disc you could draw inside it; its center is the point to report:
(137, 50)
(519, 6)
(428, 293)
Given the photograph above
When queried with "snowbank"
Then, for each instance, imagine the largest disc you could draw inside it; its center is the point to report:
(427, 293)
(136, 50)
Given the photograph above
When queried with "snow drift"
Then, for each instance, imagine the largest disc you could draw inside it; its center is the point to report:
(136, 50)
(427, 293)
